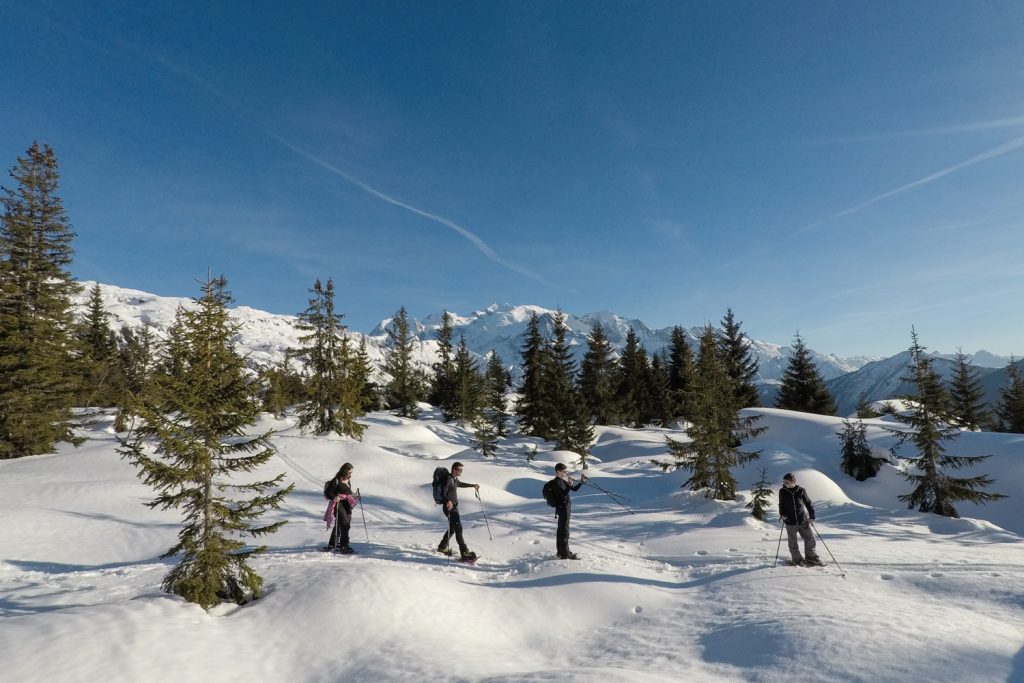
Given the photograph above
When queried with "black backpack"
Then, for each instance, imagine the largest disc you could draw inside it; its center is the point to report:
(327, 487)
(552, 495)
(439, 483)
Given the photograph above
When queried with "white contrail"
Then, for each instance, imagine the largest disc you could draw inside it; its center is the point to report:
(998, 151)
(477, 242)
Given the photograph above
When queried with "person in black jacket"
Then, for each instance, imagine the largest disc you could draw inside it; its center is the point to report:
(564, 484)
(340, 491)
(450, 506)
(798, 515)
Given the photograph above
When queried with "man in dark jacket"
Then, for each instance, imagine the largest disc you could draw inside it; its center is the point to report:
(798, 515)
(564, 484)
(450, 496)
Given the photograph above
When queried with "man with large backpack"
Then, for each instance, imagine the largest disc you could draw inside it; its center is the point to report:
(446, 493)
(556, 493)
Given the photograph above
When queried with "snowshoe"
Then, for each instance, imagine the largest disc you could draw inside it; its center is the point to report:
(468, 557)
(347, 550)
(445, 551)
(816, 562)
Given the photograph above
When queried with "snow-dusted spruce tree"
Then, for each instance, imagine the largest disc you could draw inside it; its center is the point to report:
(857, 460)
(282, 387)
(37, 389)
(680, 374)
(966, 395)
(760, 495)
(740, 364)
(191, 446)
(935, 490)
(716, 431)
(598, 371)
(572, 429)
(1010, 410)
(333, 401)
(407, 386)
(802, 387)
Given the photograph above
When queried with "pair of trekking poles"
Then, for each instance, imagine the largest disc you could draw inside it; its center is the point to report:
(782, 527)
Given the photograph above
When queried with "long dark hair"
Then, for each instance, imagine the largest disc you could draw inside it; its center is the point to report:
(343, 472)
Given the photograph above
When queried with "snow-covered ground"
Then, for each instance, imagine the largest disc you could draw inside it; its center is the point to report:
(683, 589)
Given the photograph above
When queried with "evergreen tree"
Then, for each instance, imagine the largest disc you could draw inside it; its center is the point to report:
(406, 387)
(561, 375)
(857, 460)
(532, 406)
(575, 432)
(680, 374)
(934, 489)
(137, 363)
(1010, 410)
(760, 495)
(658, 393)
(496, 382)
(598, 373)
(967, 397)
(740, 364)
(467, 387)
(192, 447)
(802, 387)
(717, 430)
(371, 397)
(98, 368)
(333, 402)
(282, 387)
(633, 394)
(864, 409)
(37, 389)
(442, 387)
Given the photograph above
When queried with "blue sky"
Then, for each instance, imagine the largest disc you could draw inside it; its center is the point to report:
(842, 169)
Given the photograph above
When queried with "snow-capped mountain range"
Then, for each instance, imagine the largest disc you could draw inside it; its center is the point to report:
(266, 337)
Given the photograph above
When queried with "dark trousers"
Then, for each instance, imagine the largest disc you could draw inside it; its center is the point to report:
(562, 536)
(342, 524)
(454, 526)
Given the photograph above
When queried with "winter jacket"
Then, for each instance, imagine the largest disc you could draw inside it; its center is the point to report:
(795, 505)
(562, 488)
(338, 488)
(451, 488)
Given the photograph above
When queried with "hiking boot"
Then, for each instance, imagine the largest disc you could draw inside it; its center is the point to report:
(468, 555)
(571, 556)
(346, 550)
(444, 550)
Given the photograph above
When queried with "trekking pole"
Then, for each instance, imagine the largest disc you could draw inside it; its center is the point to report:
(782, 526)
(363, 513)
(613, 495)
(614, 499)
(841, 572)
(485, 514)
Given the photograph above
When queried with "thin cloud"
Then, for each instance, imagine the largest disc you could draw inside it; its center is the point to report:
(990, 124)
(997, 151)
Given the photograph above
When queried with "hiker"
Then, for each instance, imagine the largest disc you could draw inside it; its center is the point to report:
(797, 514)
(339, 490)
(563, 507)
(450, 506)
